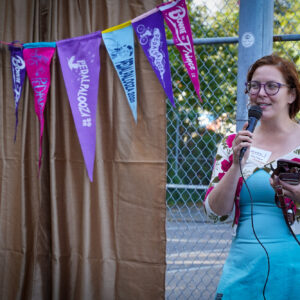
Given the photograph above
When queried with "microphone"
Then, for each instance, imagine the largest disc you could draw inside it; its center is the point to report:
(254, 115)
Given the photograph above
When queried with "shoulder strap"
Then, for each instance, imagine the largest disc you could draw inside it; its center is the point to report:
(288, 214)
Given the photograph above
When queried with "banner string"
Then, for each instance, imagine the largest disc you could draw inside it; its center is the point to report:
(11, 44)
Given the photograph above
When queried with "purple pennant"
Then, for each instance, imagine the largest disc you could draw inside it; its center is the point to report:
(150, 31)
(80, 63)
(18, 76)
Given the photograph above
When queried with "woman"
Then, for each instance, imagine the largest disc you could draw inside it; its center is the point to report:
(264, 259)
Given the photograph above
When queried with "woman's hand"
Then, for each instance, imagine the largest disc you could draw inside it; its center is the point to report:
(243, 139)
(290, 191)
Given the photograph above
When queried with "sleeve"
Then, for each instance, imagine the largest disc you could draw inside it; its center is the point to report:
(223, 162)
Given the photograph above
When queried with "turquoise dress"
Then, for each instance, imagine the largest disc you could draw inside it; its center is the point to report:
(245, 270)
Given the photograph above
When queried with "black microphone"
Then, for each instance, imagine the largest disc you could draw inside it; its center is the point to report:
(254, 115)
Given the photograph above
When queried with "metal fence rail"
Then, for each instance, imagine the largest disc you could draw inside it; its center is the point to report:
(196, 249)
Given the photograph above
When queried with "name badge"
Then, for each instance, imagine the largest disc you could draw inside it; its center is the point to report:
(259, 155)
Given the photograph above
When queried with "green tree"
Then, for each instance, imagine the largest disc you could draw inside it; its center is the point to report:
(287, 21)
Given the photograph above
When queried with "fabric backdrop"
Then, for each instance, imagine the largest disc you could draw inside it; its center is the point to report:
(62, 237)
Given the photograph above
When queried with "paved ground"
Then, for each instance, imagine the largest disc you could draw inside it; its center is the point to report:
(196, 251)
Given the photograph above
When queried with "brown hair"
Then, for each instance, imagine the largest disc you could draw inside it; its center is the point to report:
(289, 73)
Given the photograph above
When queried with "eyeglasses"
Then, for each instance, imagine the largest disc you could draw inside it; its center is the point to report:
(271, 87)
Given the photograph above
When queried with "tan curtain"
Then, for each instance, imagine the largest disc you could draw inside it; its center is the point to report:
(62, 237)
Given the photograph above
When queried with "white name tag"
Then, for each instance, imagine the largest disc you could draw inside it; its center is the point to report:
(259, 155)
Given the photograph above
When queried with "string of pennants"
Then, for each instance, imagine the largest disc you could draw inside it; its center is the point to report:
(80, 64)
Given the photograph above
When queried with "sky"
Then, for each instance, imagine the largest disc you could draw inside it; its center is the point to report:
(211, 4)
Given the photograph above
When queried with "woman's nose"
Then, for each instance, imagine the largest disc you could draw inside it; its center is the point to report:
(262, 91)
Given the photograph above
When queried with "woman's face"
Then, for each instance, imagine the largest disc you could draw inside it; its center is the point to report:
(272, 106)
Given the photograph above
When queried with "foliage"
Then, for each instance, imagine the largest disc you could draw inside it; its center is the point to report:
(287, 21)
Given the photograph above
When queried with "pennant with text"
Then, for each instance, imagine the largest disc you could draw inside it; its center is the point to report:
(119, 42)
(18, 76)
(150, 30)
(80, 63)
(176, 16)
(38, 58)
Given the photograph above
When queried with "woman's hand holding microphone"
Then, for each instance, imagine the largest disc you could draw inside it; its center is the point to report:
(243, 139)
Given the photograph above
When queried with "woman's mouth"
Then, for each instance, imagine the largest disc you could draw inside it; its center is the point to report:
(264, 105)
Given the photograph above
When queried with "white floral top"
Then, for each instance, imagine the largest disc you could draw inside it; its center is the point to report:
(223, 162)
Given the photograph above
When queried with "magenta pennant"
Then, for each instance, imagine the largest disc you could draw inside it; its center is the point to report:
(80, 63)
(176, 16)
(38, 58)
(150, 31)
(18, 76)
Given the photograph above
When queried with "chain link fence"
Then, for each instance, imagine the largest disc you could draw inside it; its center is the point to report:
(196, 249)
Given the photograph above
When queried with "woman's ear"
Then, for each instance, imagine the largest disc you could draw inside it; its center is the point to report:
(292, 96)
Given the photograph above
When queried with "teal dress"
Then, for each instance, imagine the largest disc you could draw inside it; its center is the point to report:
(245, 270)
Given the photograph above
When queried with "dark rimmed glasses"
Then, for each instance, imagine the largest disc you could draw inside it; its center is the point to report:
(271, 87)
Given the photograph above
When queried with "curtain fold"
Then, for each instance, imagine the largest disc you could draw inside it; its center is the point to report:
(61, 236)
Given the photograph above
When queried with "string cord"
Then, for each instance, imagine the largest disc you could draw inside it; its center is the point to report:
(254, 232)
(12, 44)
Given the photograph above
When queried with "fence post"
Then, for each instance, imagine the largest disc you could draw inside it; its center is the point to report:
(255, 41)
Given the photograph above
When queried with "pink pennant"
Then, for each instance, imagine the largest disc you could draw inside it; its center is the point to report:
(37, 60)
(176, 16)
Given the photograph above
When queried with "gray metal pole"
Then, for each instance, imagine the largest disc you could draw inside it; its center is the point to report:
(255, 41)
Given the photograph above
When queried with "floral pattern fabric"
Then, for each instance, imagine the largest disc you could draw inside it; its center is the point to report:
(223, 162)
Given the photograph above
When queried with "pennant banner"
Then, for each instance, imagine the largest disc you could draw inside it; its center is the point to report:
(150, 31)
(80, 63)
(18, 76)
(119, 42)
(176, 16)
(38, 58)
